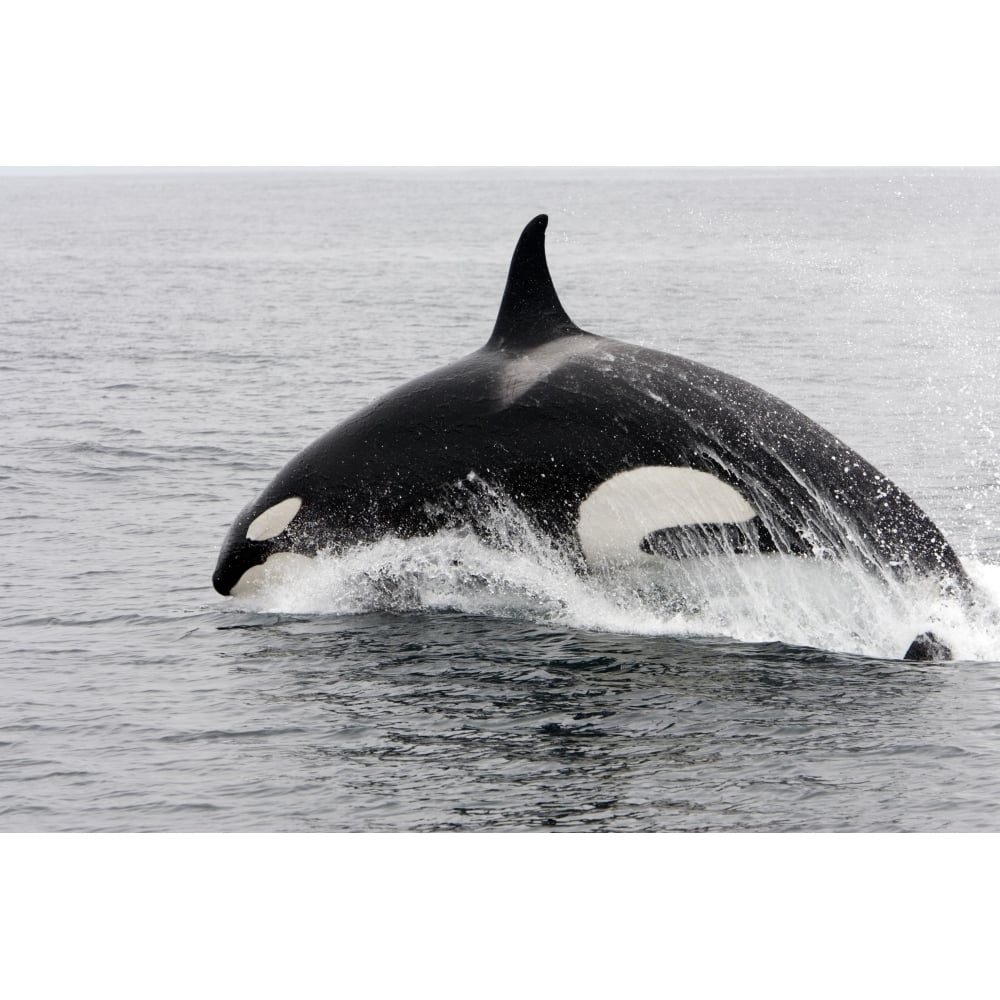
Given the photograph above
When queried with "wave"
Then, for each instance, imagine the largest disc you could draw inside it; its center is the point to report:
(829, 604)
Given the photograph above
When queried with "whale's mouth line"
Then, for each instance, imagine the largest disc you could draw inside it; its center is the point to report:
(238, 557)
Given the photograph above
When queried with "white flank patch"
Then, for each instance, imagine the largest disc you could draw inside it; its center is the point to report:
(274, 520)
(526, 371)
(622, 511)
(279, 568)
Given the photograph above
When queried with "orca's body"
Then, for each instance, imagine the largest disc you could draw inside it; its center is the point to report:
(619, 452)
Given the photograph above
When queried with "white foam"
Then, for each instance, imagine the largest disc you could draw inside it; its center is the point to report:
(825, 604)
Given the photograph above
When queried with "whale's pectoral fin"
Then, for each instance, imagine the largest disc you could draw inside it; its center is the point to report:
(927, 646)
(688, 540)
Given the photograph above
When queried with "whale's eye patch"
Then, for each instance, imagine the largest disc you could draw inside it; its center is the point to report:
(274, 520)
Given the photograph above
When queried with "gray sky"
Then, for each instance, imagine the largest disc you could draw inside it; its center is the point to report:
(547, 83)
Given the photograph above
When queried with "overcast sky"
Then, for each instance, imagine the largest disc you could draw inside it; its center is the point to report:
(519, 83)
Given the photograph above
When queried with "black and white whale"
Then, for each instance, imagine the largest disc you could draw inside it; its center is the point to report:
(618, 452)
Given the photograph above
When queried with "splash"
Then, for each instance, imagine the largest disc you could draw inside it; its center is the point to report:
(510, 570)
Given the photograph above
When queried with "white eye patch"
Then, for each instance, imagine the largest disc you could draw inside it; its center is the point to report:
(274, 520)
(622, 511)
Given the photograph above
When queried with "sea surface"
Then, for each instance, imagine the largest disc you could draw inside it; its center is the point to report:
(168, 341)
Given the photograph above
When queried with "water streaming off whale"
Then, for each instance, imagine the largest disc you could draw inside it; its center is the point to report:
(620, 455)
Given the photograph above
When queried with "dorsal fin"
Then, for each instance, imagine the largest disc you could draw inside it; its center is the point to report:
(530, 313)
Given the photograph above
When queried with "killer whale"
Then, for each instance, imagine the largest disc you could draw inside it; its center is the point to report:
(616, 451)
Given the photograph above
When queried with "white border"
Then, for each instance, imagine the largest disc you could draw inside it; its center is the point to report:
(525, 83)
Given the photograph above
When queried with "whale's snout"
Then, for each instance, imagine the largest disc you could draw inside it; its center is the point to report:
(235, 560)
(251, 542)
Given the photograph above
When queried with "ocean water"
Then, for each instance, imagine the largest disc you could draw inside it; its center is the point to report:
(168, 341)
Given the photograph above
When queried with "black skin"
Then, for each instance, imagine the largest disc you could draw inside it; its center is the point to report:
(927, 646)
(401, 466)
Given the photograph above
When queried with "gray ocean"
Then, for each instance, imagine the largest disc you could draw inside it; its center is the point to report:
(168, 341)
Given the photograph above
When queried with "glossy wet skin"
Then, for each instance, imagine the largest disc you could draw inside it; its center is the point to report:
(545, 414)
